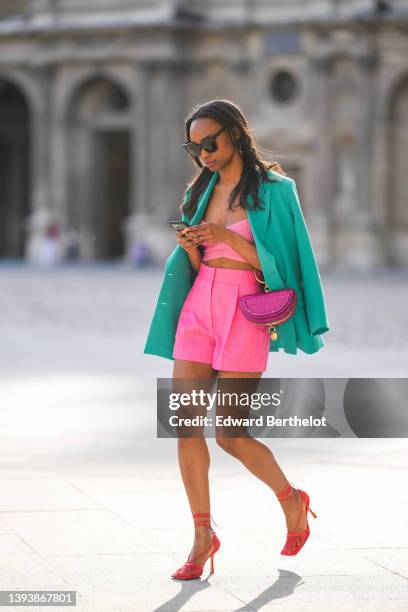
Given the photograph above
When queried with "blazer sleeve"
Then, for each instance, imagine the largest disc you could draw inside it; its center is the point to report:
(312, 286)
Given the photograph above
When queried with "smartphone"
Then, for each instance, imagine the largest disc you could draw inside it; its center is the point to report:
(178, 225)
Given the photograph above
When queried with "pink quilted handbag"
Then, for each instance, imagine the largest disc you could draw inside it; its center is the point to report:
(270, 307)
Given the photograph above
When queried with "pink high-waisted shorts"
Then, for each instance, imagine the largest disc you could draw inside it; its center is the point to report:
(211, 327)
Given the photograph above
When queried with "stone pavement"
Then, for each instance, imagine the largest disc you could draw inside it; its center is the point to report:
(93, 502)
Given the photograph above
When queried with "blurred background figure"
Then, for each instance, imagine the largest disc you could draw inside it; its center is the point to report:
(51, 251)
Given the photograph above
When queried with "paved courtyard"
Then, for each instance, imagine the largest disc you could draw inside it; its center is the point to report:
(93, 502)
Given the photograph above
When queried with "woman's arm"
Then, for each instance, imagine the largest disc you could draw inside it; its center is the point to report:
(193, 251)
(195, 256)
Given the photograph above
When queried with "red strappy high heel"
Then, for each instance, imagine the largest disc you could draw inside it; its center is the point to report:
(190, 569)
(296, 540)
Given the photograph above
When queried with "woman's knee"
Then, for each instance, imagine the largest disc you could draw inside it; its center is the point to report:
(229, 444)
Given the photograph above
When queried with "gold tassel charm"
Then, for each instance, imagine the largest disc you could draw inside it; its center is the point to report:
(273, 332)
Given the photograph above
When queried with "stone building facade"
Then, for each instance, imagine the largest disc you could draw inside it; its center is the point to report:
(93, 96)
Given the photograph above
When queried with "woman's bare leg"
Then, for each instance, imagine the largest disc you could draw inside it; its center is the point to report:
(194, 462)
(259, 459)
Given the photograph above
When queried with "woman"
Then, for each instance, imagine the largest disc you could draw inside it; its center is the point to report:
(253, 222)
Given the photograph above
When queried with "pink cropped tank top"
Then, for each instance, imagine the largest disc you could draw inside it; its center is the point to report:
(221, 249)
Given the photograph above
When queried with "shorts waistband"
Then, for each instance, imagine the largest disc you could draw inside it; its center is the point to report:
(227, 275)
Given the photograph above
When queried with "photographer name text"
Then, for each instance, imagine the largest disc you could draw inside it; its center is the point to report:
(259, 421)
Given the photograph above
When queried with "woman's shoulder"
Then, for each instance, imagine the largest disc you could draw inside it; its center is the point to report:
(279, 181)
(278, 190)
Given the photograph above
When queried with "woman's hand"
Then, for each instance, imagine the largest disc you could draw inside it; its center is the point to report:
(206, 232)
(192, 250)
(185, 241)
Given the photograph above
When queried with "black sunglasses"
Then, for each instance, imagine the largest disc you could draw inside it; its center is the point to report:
(208, 143)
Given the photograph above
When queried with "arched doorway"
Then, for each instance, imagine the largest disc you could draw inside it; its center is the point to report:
(99, 157)
(397, 190)
(14, 169)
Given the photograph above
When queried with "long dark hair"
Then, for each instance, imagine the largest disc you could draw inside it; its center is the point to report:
(255, 169)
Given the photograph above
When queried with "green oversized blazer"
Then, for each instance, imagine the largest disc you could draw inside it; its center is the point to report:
(287, 259)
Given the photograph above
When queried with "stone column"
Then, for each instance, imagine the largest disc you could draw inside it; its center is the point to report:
(42, 213)
(58, 167)
(137, 221)
(155, 159)
(358, 245)
(141, 144)
(371, 254)
(320, 216)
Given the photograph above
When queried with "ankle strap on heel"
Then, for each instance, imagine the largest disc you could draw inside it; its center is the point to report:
(285, 493)
(203, 518)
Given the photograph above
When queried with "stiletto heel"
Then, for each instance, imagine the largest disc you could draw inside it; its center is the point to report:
(191, 570)
(313, 514)
(296, 540)
(212, 564)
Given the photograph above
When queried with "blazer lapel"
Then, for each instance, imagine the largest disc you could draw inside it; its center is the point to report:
(260, 224)
(199, 213)
(259, 219)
